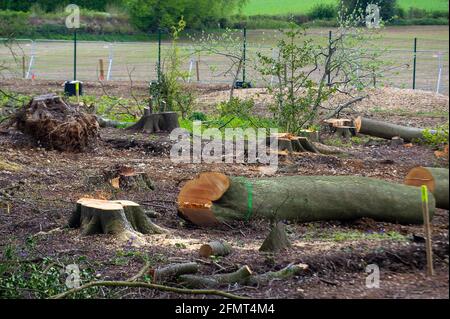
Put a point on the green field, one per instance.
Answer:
(274, 7)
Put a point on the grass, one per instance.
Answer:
(280, 7)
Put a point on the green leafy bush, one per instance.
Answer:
(323, 11)
(236, 107)
(436, 137)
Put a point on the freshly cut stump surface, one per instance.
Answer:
(123, 219)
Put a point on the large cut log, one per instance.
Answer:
(156, 122)
(437, 181)
(214, 198)
(387, 130)
(55, 124)
(123, 219)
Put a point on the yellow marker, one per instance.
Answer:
(424, 194)
(77, 87)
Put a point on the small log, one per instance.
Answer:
(277, 239)
(437, 181)
(283, 274)
(172, 272)
(387, 130)
(240, 276)
(215, 248)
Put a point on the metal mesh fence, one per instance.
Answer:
(120, 61)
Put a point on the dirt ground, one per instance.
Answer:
(43, 186)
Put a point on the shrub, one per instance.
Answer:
(323, 11)
(236, 107)
(438, 138)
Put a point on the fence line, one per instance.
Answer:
(52, 60)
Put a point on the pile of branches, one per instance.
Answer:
(55, 124)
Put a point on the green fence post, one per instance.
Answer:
(244, 56)
(75, 54)
(330, 34)
(415, 64)
(159, 54)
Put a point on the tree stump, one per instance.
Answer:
(292, 144)
(156, 122)
(123, 219)
(57, 125)
(122, 177)
(277, 239)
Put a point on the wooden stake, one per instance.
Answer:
(102, 70)
(24, 72)
(426, 218)
(197, 67)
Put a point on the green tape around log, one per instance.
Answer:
(316, 198)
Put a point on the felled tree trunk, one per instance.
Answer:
(213, 198)
(57, 125)
(156, 122)
(437, 181)
(387, 130)
(123, 219)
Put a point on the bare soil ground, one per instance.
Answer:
(44, 186)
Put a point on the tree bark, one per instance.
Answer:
(193, 281)
(299, 198)
(283, 274)
(277, 239)
(171, 272)
(387, 130)
(437, 181)
(123, 219)
(215, 248)
(157, 122)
